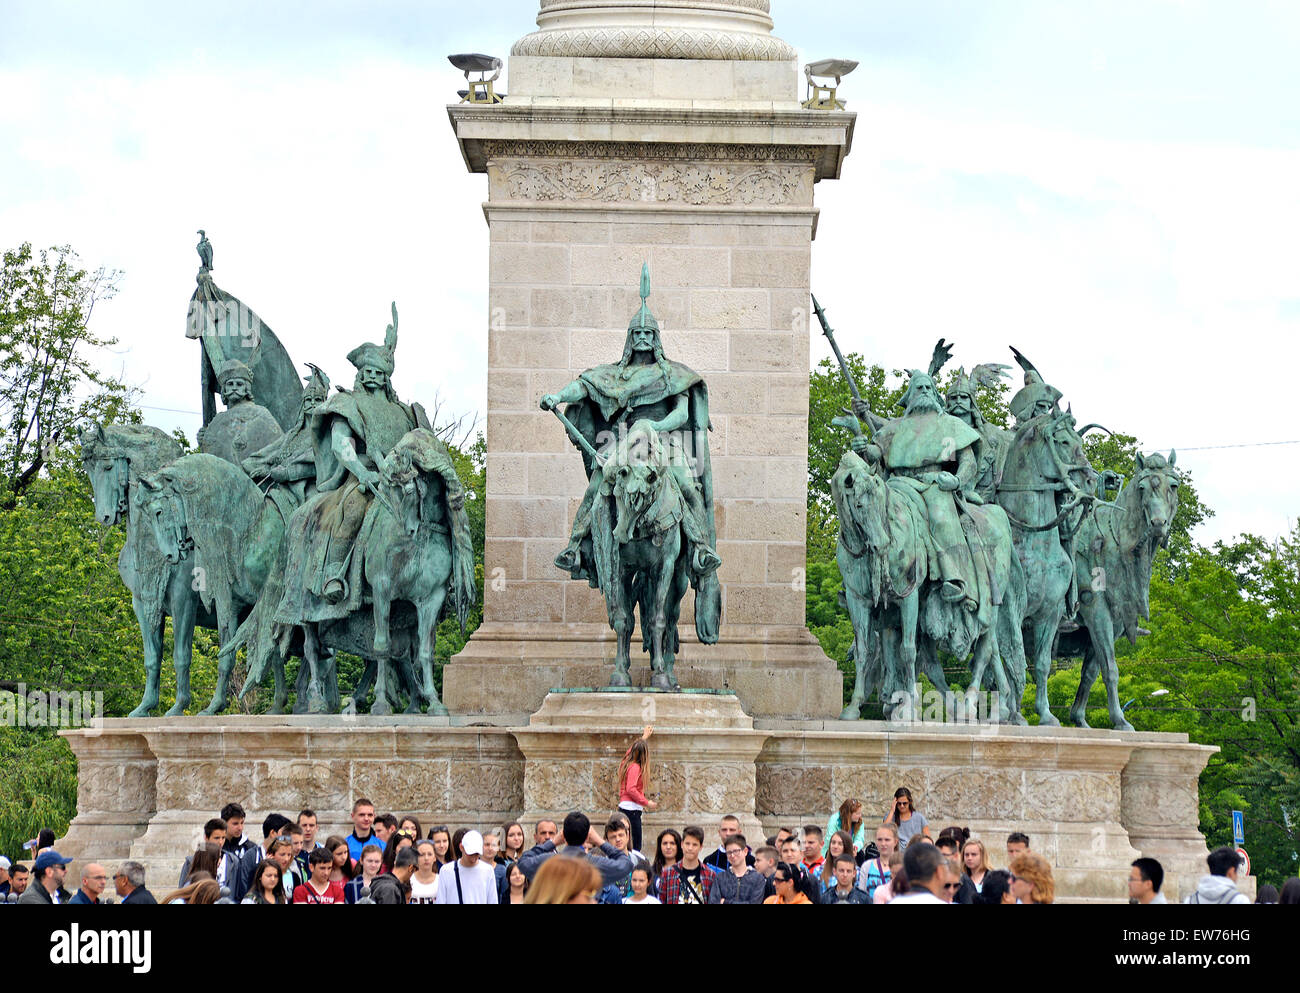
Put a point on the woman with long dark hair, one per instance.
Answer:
(668, 852)
(841, 843)
(441, 838)
(343, 869)
(396, 842)
(411, 823)
(633, 780)
(517, 884)
(911, 823)
(266, 887)
(206, 859)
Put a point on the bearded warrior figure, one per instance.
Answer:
(647, 389)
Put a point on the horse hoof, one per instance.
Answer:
(1048, 721)
(660, 681)
(1018, 719)
(620, 678)
(1078, 720)
(436, 709)
(381, 709)
(211, 710)
(1122, 725)
(851, 714)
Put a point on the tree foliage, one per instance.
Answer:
(49, 377)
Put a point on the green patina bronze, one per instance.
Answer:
(341, 527)
(644, 530)
(993, 545)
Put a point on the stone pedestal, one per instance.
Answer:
(1091, 801)
(672, 136)
(702, 764)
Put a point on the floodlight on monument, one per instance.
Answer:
(480, 89)
(820, 95)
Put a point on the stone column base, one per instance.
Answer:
(777, 671)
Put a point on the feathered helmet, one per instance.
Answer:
(317, 384)
(375, 356)
(1035, 390)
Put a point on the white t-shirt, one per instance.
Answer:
(477, 885)
(424, 892)
(916, 896)
(647, 899)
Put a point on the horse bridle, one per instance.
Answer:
(1078, 496)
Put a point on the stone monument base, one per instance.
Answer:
(777, 671)
(1090, 800)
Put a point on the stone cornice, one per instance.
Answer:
(584, 124)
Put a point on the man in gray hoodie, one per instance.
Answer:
(1220, 886)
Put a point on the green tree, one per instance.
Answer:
(48, 377)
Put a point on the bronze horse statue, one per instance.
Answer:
(192, 501)
(116, 457)
(1045, 488)
(640, 552)
(883, 558)
(1113, 553)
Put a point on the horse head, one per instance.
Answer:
(404, 488)
(634, 477)
(1071, 462)
(1155, 490)
(861, 498)
(109, 472)
(163, 507)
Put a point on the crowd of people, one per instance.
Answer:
(395, 860)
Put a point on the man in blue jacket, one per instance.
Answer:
(614, 864)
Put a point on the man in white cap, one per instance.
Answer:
(5, 866)
(469, 879)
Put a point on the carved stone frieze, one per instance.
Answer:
(694, 151)
(617, 181)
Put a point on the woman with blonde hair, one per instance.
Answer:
(562, 879)
(1031, 879)
(975, 862)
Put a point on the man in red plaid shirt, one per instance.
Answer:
(690, 880)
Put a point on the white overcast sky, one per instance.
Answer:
(1111, 186)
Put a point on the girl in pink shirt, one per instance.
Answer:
(633, 775)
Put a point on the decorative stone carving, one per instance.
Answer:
(655, 43)
(558, 786)
(641, 150)
(1069, 796)
(720, 789)
(300, 783)
(488, 786)
(631, 182)
(127, 787)
(791, 789)
(190, 784)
